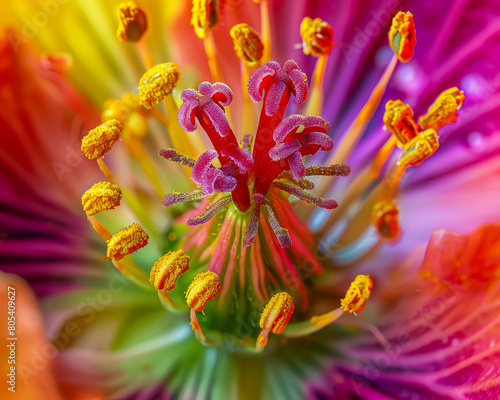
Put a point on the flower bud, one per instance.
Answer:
(157, 83)
(126, 241)
(100, 140)
(205, 286)
(247, 44)
(358, 293)
(102, 196)
(133, 22)
(317, 37)
(168, 268)
(444, 110)
(386, 219)
(398, 119)
(402, 36)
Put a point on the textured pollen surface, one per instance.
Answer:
(168, 268)
(126, 241)
(358, 293)
(102, 196)
(205, 286)
(277, 313)
(157, 83)
(100, 140)
(402, 36)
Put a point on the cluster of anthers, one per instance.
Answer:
(248, 173)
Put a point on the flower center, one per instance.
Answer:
(279, 146)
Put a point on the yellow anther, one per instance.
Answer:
(120, 108)
(398, 119)
(168, 268)
(247, 44)
(419, 148)
(277, 312)
(133, 22)
(126, 241)
(102, 196)
(157, 83)
(358, 293)
(205, 286)
(386, 219)
(100, 140)
(444, 110)
(317, 37)
(402, 36)
(206, 15)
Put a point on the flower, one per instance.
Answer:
(238, 219)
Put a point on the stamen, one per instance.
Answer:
(281, 233)
(102, 196)
(247, 44)
(176, 197)
(302, 183)
(317, 37)
(328, 204)
(121, 108)
(420, 148)
(266, 28)
(317, 40)
(133, 22)
(253, 222)
(206, 15)
(386, 219)
(210, 211)
(332, 170)
(275, 317)
(444, 110)
(205, 286)
(402, 36)
(100, 140)
(398, 119)
(157, 83)
(357, 295)
(175, 156)
(167, 269)
(126, 241)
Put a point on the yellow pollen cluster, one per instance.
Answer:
(100, 140)
(205, 286)
(444, 110)
(126, 241)
(133, 22)
(386, 219)
(424, 145)
(157, 83)
(398, 119)
(102, 196)
(121, 108)
(206, 15)
(402, 36)
(168, 268)
(247, 44)
(277, 312)
(358, 293)
(317, 37)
